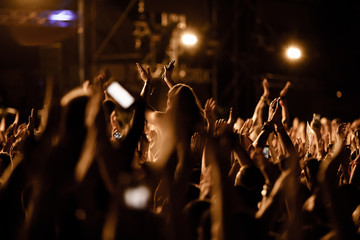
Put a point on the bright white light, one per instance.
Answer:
(64, 15)
(293, 53)
(137, 197)
(189, 39)
(123, 97)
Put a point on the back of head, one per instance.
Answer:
(184, 107)
(194, 212)
(250, 177)
(73, 115)
(5, 161)
(249, 183)
(311, 170)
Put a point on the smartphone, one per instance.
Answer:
(120, 95)
(266, 152)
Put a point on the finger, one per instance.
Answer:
(140, 68)
(273, 104)
(170, 64)
(2, 125)
(148, 72)
(32, 113)
(266, 88)
(265, 83)
(230, 119)
(249, 123)
(16, 118)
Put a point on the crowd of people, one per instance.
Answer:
(92, 170)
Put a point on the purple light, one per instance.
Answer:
(62, 15)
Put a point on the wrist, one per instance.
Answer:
(268, 126)
(265, 98)
(279, 127)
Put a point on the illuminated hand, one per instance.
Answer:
(86, 85)
(145, 76)
(246, 128)
(31, 123)
(168, 70)
(285, 89)
(224, 127)
(210, 112)
(231, 119)
(341, 132)
(167, 74)
(266, 88)
(274, 112)
(210, 108)
(220, 126)
(283, 94)
(195, 142)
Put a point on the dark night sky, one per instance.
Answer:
(328, 31)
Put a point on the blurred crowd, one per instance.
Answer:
(86, 167)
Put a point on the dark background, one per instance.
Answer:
(240, 43)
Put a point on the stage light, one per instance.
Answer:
(339, 94)
(293, 53)
(189, 39)
(62, 15)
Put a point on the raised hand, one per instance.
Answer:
(285, 89)
(231, 119)
(31, 123)
(86, 85)
(168, 70)
(210, 106)
(145, 75)
(246, 128)
(260, 107)
(266, 88)
(341, 132)
(166, 76)
(283, 104)
(224, 127)
(220, 126)
(196, 142)
(274, 112)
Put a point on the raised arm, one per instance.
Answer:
(285, 111)
(257, 119)
(338, 209)
(146, 77)
(168, 73)
(268, 127)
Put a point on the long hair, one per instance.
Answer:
(184, 109)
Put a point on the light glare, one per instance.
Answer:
(63, 15)
(189, 39)
(293, 53)
(339, 94)
(137, 197)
